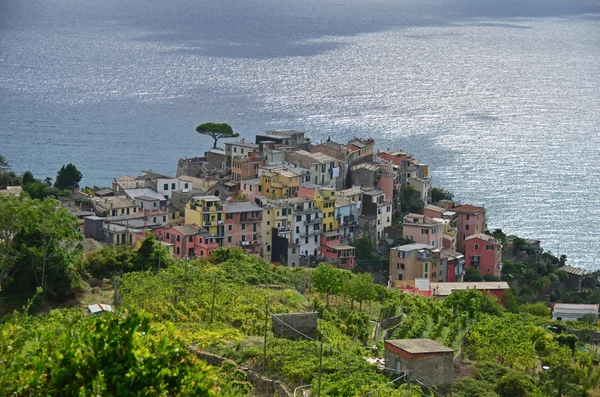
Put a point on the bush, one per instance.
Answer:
(537, 309)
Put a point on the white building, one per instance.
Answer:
(572, 312)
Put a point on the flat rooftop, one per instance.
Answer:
(419, 346)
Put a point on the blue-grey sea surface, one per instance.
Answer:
(501, 98)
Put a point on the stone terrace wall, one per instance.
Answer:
(262, 387)
(303, 322)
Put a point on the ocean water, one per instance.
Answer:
(501, 98)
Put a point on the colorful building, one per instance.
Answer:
(245, 167)
(471, 220)
(346, 216)
(325, 200)
(243, 226)
(411, 261)
(188, 241)
(423, 230)
(484, 253)
(208, 213)
(341, 255)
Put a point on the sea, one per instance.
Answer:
(500, 98)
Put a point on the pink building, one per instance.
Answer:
(423, 230)
(484, 253)
(341, 254)
(397, 157)
(250, 189)
(243, 226)
(471, 220)
(188, 240)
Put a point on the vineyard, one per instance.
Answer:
(223, 305)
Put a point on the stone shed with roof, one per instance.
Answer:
(425, 360)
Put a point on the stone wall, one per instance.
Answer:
(303, 322)
(435, 369)
(262, 387)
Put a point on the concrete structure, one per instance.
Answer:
(411, 261)
(573, 312)
(285, 138)
(424, 359)
(188, 241)
(287, 325)
(364, 174)
(471, 220)
(575, 276)
(484, 253)
(443, 290)
(423, 230)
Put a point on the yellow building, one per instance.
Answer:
(276, 214)
(325, 200)
(116, 206)
(208, 213)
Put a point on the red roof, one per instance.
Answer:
(468, 208)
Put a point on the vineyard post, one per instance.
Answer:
(116, 293)
(212, 311)
(320, 368)
(265, 340)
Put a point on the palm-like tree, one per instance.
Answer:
(4, 166)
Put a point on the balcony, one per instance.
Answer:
(251, 219)
(424, 256)
(207, 223)
(313, 221)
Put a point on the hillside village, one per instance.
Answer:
(297, 203)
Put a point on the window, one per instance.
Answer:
(297, 229)
(306, 240)
(268, 223)
(433, 243)
(168, 235)
(401, 254)
(154, 219)
(191, 238)
(155, 204)
(243, 237)
(142, 204)
(173, 215)
(468, 217)
(424, 231)
(178, 251)
(400, 277)
(426, 266)
(229, 239)
(489, 247)
(164, 218)
(178, 238)
(166, 186)
(293, 250)
(185, 186)
(243, 226)
(401, 266)
(476, 246)
(432, 275)
(298, 218)
(467, 227)
(229, 227)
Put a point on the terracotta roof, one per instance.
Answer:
(468, 208)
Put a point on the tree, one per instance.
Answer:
(27, 178)
(509, 301)
(438, 194)
(327, 279)
(410, 199)
(68, 178)
(216, 131)
(472, 274)
(361, 288)
(41, 247)
(4, 165)
(490, 277)
(364, 248)
(537, 309)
